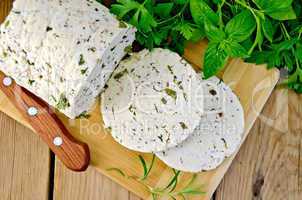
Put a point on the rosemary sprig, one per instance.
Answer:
(169, 189)
(146, 169)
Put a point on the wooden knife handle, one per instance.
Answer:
(74, 154)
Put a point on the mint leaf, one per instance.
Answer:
(163, 9)
(214, 60)
(137, 13)
(268, 29)
(241, 26)
(213, 33)
(235, 50)
(200, 11)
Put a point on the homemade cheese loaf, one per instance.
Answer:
(62, 51)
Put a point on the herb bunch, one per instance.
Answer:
(258, 31)
(167, 191)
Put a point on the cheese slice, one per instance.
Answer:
(147, 104)
(218, 135)
(63, 51)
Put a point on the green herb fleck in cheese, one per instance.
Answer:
(128, 49)
(120, 74)
(62, 102)
(82, 61)
(122, 24)
(30, 82)
(183, 125)
(84, 115)
(83, 71)
(6, 24)
(4, 54)
(163, 100)
(171, 93)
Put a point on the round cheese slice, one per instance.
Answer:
(148, 101)
(218, 135)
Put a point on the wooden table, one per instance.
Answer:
(268, 166)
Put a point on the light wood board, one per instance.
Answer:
(253, 84)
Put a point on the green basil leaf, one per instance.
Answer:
(213, 33)
(273, 4)
(284, 45)
(268, 29)
(198, 34)
(180, 1)
(288, 59)
(277, 9)
(299, 51)
(235, 50)
(248, 43)
(260, 38)
(282, 13)
(217, 1)
(215, 59)
(163, 9)
(200, 11)
(297, 86)
(263, 57)
(241, 26)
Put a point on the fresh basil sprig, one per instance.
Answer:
(259, 31)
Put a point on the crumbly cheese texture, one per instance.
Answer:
(63, 51)
(218, 135)
(148, 105)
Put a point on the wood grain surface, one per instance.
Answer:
(24, 163)
(269, 164)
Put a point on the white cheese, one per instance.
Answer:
(148, 104)
(219, 133)
(63, 51)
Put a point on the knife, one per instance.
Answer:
(74, 154)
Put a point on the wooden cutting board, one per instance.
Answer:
(253, 84)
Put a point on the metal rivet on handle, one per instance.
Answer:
(58, 141)
(32, 111)
(7, 81)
